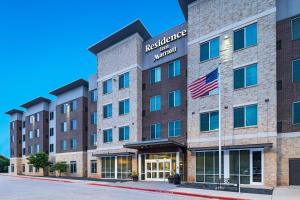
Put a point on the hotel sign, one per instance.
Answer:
(165, 47)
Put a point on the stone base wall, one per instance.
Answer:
(288, 148)
(81, 163)
(90, 157)
(17, 166)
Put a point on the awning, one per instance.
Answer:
(153, 144)
(231, 147)
(106, 154)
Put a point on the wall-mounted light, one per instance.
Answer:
(226, 37)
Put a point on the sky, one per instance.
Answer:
(43, 43)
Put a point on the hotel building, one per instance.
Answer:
(137, 116)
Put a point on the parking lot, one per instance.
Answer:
(15, 188)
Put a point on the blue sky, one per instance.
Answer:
(43, 44)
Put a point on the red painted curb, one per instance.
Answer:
(168, 192)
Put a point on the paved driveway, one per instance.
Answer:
(14, 188)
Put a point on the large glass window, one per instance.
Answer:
(94, 96)
(124, 81)
(245, 76)
(174, 68)
(124, 133)
(93, 166)
(74, 105)
(296, 70)
(107, 86)
(174, 128)
(64, 127)
(108, 167)
(296, 112)
(296, 28)
(257, 166)
(209, 121)
(174, 98)
(155, 75)
(207, 166)
(245, 37)
(64, 145)
(73, 124)
(155, 103)
(239, 165)
(107, 135)
(94, 118)
(73, 144)
(245, 116)
(107, 111)
(210, 49)
(155, 131)
(124, 107)
(124, 164)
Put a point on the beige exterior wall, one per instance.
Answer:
(81, 162)
(17, 162)
(219, 18)
(288, 148)
(90, 157)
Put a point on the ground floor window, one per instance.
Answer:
(30, 168)
(124, 167)
(73, 167)
(12, 168)
(108, 167)
(244, 166)
(94, 166)
(23, 168)
(37, 170)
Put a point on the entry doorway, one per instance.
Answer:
(158, 169)
(294, 171)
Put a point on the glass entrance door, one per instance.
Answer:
(158, 170)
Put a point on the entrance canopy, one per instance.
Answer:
(151, 144)
(104, 154)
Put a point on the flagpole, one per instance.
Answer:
(220, 147)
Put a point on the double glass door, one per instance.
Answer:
(158, 170)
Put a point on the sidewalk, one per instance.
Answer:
(280, 193)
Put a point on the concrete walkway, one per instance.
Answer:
(280, 193)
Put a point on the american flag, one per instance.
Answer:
(204, 84)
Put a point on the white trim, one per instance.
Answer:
(70, 153)
(117, 73)
(233, 26)
(235, 137)
(245, 104)
(245, 64)
(110, 148)
(288, 135)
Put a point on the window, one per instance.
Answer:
(174, 69)
(73, 144)
(74, 105)
(51, 148)
(174, 98)
(124, 81)
(38, 117)
(155, 131)
(296, 70)
(23, 138)
(94, 96)
(124, 167)
(12, 168)
(155, 75)
(64, 145)
(51, 131)
(245, 116)
(174, 128)
(73, 167)
(245, 37)
(245, 76)
(37, 170)
(107, 111)
(30, 149)
(73, 124)
(37, 148)
(210, 50)
(93, 166)
(93, 140)
(31, 119)
(124, 133)
(107, 86)
(207, 166)
(107, 135)
(30, 168)
(296, 112)
(64, 127)
(24, 151)
(30, 134)
(51, 115)
(155, 103)
(124, 107)
(24, 124)
(37, 133)
(23, 168)
(296, 28)
(107, 167)
(209, 121)
(64, 108)
(239, 165)
(94, 118)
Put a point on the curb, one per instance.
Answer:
(167, 192)
(40, 179)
